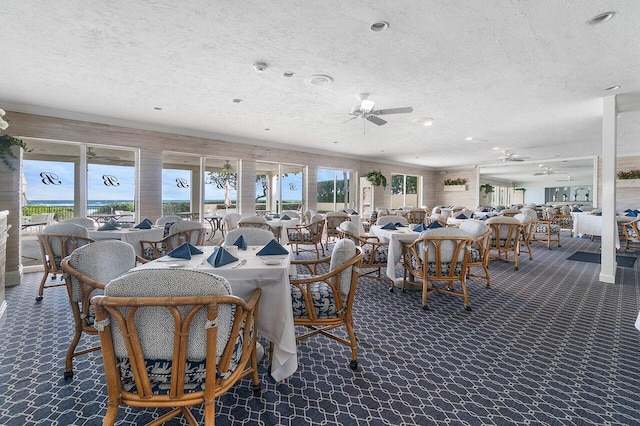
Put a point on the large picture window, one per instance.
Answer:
(404, 191)
(334, 190)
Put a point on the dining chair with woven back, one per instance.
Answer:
(439, 259)
(416, 216)
(505, 239)
(180, 233)
(85, 222)
(375, 252)
(174, 338)
(88, 269)
(479, 249)
(308, 235)
(323, 295)
(526, 226)
(56, 242)
(334, 219)
(259, 222)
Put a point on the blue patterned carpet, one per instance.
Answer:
(546, 345)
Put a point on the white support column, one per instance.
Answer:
(609, 227)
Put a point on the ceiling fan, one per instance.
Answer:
(365, 110)
(548, 171)
(91, 155)
(509, 156)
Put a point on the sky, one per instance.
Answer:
(49, 180)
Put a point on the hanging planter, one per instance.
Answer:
(487, 188)
(459, 184)
(376, 178)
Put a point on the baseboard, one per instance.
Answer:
(606, 278)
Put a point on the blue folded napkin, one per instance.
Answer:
(434, 225)
(390, 226)
(632, 213)
(598, 214)
(484, 210)
(419, 228)
(354, 212)
(576, 210)
(184, 251)
(241, 243)
(461, 216)
(268, 218)
(221, 257)
(145, 224)
(628, 210)
(400, 225)
(276, 216)
(485, 218)
(115, 223)
(272, 248)
(285, 217)
(108, 227)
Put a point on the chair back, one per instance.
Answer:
(345, 252)
(186, 231)
(59, 240)
(253, 236)
(85, 222)
(349, 230)
(308, 215)
(505, 231)
(416, 216)
(252, 219)
(230, 221)
(334, 219)
(91, 267)
(177, 336)
(161, 221)
(443, 247)
(529, 212)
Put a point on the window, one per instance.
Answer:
(404, 191)
(279, 187)
(334, 190)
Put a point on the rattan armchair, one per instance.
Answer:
(479, 249)
(308, 235)
(628, 232)
(376, 252)
(324, 301)
(505, 239)
(174, 338)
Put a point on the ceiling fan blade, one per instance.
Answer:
(403, 110)
(376, 120)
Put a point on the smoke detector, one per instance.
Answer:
(260, 66)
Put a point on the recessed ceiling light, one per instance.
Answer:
(335, 141)
(158, 108)
(428, 122)
(267, 129)
(319, 80)
(468, 138)
(599, 19)
(289, 74)
(616, 87)
(620, 115)
(237, 100)
(495, 148)
(379, 26)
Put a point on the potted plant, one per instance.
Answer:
(7, 142)
(629, 179)
(376, 178)
(487, 188)
(459, 184)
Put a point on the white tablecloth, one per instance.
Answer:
(132, 236)
(395, 239)
(275, 314)
(591, 224)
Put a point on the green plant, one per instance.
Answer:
(458, 181)
(487, 188)
(631, 174)
(376, 178)
(7, 142)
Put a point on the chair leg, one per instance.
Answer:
(68, 372)
(42, 283)
(110, 417)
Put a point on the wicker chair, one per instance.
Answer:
(375, 252)
(628, 231)
(88, 269)
(324, 301)
(308, 235)
(259, 222)
(439, 259)
(334, 219)
(383, 220)
(416, 216)
(526, 226)
(185, 231)
(545, 231)
(479, 250)
(56, 242)
(505, 239)
(174, 338)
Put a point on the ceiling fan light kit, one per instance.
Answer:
(365, 110)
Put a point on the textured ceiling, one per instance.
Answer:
(524, 76)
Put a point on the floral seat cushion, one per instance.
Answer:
(382, 253)
(544, 228)
(474, 255)
(323, 300)
(302, 235)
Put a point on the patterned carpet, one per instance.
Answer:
(546, 345)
